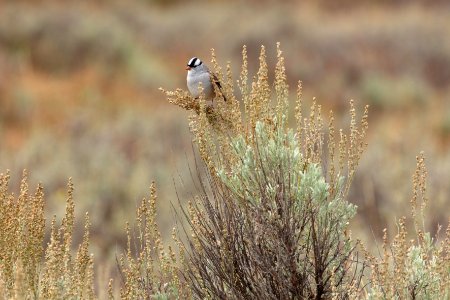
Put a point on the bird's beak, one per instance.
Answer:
(188, 68)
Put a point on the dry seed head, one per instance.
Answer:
(331, 153)
(110, 289)
(263, 82)
(259, 100)
(243, 82)
(233, 106)
(352, 139)
(384, 271)
(66, 229)
(203, 137)
(447, 242)
(419, 194)
(364, 128)
(216, 67)
(298, 111)
(400, 249)
(228, 82)
(313, 135)
(4, 182)
(182, 99)
(319, 134)
(281, 87)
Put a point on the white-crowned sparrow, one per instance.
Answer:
(198, 73)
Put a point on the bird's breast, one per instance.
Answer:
(194, 80)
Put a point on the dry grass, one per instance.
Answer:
(30, 271)
(147, 270)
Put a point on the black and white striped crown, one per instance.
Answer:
(194, 62)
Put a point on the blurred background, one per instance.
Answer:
(79, 96)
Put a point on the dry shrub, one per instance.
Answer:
(271, 221)
(27, 270)
(412, 269)
(147, 270)
(22, 222)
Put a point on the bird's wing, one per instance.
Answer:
(216, 81)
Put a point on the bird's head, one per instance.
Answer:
(194, 64)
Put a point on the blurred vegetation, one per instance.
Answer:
(79, 79)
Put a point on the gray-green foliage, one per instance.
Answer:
(274, 155)
(273, 164)
(277, 159)
(416, 272)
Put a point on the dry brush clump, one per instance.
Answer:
(271, 221)
(28, 270)
(147, 269)
(417, 268)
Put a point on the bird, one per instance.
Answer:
(198, 73)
